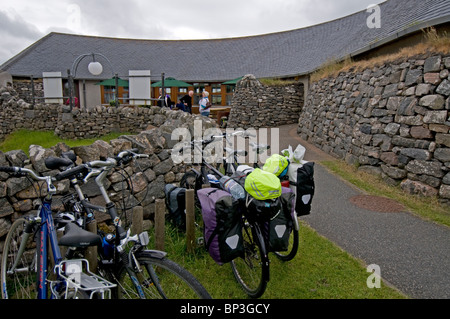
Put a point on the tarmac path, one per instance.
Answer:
(413, 254)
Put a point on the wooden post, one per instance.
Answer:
(91, 252)
(160, 220)
(137, 220)
(190, 221)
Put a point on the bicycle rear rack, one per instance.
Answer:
(78, 277)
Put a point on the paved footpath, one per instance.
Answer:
(413, 254)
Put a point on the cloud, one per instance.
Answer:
(169, 19)
(16, 34)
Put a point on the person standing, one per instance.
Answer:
(187, 101)
(205, 105)
(164, 102)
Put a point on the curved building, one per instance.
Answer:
(289, 54)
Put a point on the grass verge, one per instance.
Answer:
(424, 207)
(321, 270)
(22, 139)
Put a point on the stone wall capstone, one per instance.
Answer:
(391, 119)
(255, 105)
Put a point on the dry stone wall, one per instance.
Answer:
(255, 105)
(391, 119)
(148, 176)
(16, 114)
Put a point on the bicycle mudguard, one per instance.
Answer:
(153, 254)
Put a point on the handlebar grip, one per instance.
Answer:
(70, 172)
(9, 169)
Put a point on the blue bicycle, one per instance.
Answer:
(26, 261)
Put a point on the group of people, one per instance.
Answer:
(185, 103)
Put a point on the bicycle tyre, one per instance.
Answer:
(162, 279)
(21, 284)
(293, 247)
(252, 270)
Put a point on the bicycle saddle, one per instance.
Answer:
(57, 162)
(75, 236)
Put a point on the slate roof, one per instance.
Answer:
(281, 54)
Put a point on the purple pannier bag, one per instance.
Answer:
(222, 225)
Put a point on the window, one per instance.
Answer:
(109, 94)
(216, 88)
(182, 90)
(216, 99)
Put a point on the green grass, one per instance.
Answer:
(321, 270)
(22, 139)
(427, 208)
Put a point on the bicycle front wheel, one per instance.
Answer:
(252, 270)
(159, 279)
(19, 263)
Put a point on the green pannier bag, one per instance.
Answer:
(276, 164)
(263, 185)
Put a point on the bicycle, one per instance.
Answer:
(26, 259)
(252, 269)
(230, 165)
(294, 241)
(135, 271)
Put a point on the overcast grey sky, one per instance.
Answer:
(23, 22)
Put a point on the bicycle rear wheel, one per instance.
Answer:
(252, 270)
(19, 262)
(159, 279)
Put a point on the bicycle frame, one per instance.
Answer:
(47, 234)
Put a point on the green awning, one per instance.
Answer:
(235, 81)
(112, 82)
(171, 82)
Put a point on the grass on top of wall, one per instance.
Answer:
(433, 42)
(22, 139)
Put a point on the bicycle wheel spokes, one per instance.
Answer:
(251, 270)
(160, 279)
(18, 274)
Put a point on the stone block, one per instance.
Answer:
(432, 64)
(435, 117)
(425, 167)
(434, 102)
(443, 139)
(418, 188)
(432, 78)
(420, 132)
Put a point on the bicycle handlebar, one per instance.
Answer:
(20, 170)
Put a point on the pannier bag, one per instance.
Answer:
(222, 225)
(262, 185)
(262, 210)
(176, 205)
(301, 180)
(278, 230)
(276, 164)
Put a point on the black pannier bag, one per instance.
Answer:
(176, 205)
(302, 183)
(262, 210)
(278, 230)
(222, 225)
